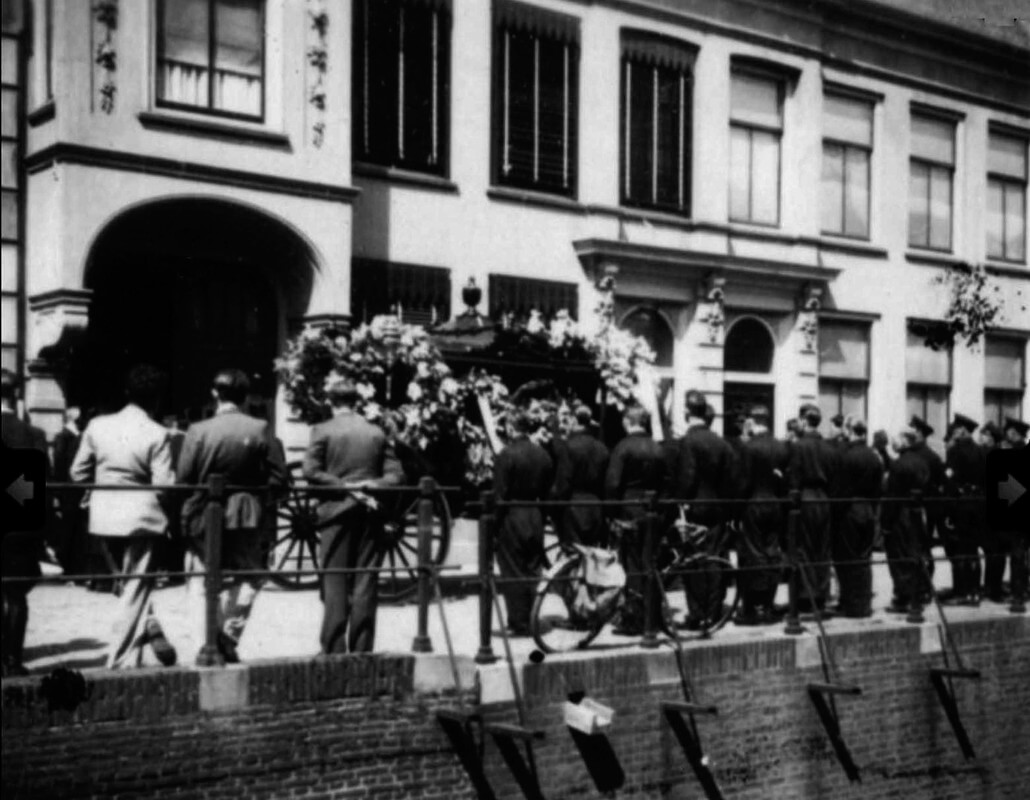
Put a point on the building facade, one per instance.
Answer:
(777, 188)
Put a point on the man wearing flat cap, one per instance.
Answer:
(349, 452)
(966, 467)
(814, 465)
(934, 489)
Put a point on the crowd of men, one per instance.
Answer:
(854, 496)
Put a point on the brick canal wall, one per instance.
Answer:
(365, 726)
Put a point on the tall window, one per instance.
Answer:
(210, 56)
(656, 121)
(756, 126)
(515, 297)
(401, 83)
(1005, 367)
(843, 368)
(536, 55)
(1006, 197)
(928, 373)
(847, 147)
(931, 177)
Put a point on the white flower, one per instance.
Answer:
(366, 390)
(535, 324)
(414, 392)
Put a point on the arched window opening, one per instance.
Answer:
(749, 347)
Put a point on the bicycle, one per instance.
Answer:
(569, 611)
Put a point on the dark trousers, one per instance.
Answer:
(852, 548)
(16, 620)
(961, 547)
(995, 556)
(350, 599)
(705, 587)
(1017, 545)
(582, 524)
(903, 544)
(759, 556)
(520, 558)
(814, 550)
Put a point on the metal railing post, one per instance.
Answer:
(487, 523)
(426, 487)
(793, 622)
(915, 608)
(650, 639)
(214, 518)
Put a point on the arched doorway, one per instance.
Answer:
(191, 286)
(748, 356)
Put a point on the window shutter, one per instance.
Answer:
(519, 296)
(658, 51)
(523, 18)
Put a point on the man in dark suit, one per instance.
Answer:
(934, 489)
(637, 466)
(861, 477)
(581, 462)
(240, 448)
(995, 555)
(70, 546)
(351, 453)
(814, 464)
(964, 529)
(522, 472)
(764, 465)
(21, 550)
(904, 523)
(706, 469)
(1016, 542)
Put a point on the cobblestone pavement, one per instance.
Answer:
(70, 626)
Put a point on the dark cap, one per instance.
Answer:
(695, 402)
(919, 424)
(837, 420)
(992, 430)
(962, 421)
(1013, 424)
(858, 427)
(811, 414)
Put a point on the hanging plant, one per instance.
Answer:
(106, 14)
(318, 60)
(974, 304)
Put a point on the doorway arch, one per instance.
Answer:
(749, 354)
(190, 285)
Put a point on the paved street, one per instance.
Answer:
(69, 625)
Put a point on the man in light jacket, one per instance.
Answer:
(129, 448)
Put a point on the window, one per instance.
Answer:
(1006, 197)
(1005, 364)
(749, 347)
(756, 126)
(210, 56)
(847, 147)
(843, 368)
(931, 174)
(401, 83)
(419, 295)
(928, 391)
(516, 297)
(656, 121)
(536, 55)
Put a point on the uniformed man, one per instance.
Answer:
(1015, 542)
(990, 436)
(759, 553)
(904, 523)
(637, 467)
(581, 463)
(523, 472)
(966, 467)
(935, 511)
(1015, 432)
(705, 470)
(861, 478)
(995, 555)
(814, 463)
(837, 436)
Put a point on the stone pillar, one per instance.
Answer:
(56, 331)
(802, 346)
(703, 345)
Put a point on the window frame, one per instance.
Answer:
(846, 147)
(361, 135)
(496, 281)
(686, 122)
(839, 383)
(501, 29)
(210, 109)
(1006, 181)
(781, 96)
(1006, 391)
(931, 166)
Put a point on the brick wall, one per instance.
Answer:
(365, 726)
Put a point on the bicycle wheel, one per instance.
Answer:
(554, 625)
(296, 543)
(706, 582)
(400, 541)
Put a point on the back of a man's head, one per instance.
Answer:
(636, 416)
(231, 386)
(144, 386)
(521, 424)
(342, 393)
(695, 403)
(584, 416)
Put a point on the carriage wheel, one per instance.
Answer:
(400, 579)
(296, 543)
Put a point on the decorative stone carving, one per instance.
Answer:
(105, 12)
(809, 305)
(712, 312)
(318, 61)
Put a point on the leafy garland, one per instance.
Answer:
(973, 306)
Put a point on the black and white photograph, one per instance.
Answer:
(500, 399)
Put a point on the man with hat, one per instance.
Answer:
(1015, 433)
(1014, 542)
(904, 522)
(861, 477)
(838, 436)
(814, 465)
(995, 556)
(934, 489)
(990, 436)
(966, 467)
(581, 462)
(704, 470)
(764, 466)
